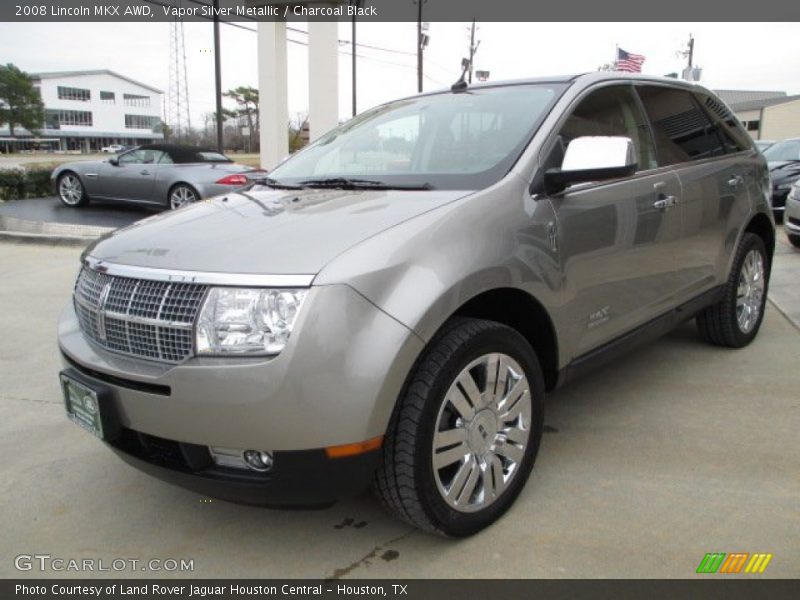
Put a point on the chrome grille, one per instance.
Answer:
(138, 317)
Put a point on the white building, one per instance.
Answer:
(86, 110)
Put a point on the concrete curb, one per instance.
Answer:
(23, 231)
(16, 237)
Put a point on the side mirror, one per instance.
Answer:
(113, 161)
(592, 158)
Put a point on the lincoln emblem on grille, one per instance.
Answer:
(101, 313)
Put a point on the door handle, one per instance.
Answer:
(145, 172)
(665, 202)
(735, 181)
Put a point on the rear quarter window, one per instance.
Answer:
(730, 130)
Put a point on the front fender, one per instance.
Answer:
(422, 271)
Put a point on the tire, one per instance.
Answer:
(181, 194)
(71, 191)
(721, 324)
(794, 240)
(408, 482)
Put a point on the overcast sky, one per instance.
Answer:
(750, 56)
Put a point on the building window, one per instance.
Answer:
(753, 125)
(54, 119)
(108, 98)
(140, 122)
(71, 93)
(134, 100)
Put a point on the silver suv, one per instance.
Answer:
(391, 305)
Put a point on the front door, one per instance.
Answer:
(133, 178)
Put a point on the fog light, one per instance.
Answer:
(258, 460)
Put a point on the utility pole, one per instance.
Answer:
(419, 45)
(472, 49)
(218, 77)
(691, 50)
(353, 57)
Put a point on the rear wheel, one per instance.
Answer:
(466, 430)
(735, 320)
(182, 194)
(71, 191)
(794, 240)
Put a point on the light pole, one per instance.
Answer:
(218, 77)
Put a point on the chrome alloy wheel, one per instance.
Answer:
(70, 189)
(750, 293)
(181, 196)
(482, 432)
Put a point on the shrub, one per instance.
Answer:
(37, 183)
(16, 184)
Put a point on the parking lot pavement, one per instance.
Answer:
(785, 282)
(674, 451)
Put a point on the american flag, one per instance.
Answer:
(632, 63)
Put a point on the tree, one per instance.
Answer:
(246, 99)
(296, 130)
(20, 102)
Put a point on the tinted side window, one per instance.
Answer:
(730, 130)
(610, 111)
(683, 132)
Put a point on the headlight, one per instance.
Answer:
(247, 320)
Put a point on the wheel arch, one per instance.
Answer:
(175, 184)
(762, 226)
(523, 313)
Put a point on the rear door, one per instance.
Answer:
(617, 245)
(707, 154)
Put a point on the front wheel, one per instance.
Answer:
(466, 431)
(71, 191)
(182, 195)
(735, 320)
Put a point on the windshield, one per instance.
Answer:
(786, 150)
(465, 140)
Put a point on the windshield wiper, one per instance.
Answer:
(365, 184)
(273, 183)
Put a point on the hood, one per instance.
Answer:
(268, 232)
(782, 171)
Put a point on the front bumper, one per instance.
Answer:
(335, 383)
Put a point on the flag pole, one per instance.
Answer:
(616, 56)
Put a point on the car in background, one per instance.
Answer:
(791, 220)
(762, 145)
(783, 159)
(113, 149)
(164, 175)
